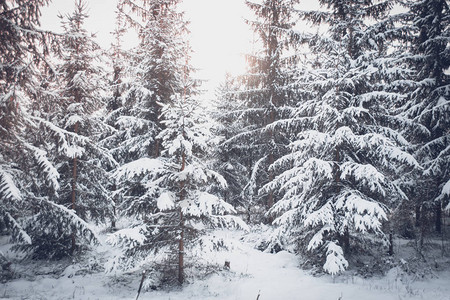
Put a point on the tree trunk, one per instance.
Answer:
(113, 219)
(346, 241)
(74, 182)
(181, 251)
(423, 224)
(391, 244)
(181, 241)
(418, 215)
(270, 200)
(270, 197)
(114, 216)
(157, 148)
(438, 215)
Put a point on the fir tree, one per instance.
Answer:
(149, 74)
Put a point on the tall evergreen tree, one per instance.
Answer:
(74, 127)
(149, 75)
(339, 185)
(428, 105)
(177, 209)
(264, 94)
(81, 97)
(228, 155)
(23, 53)
(162, 141)
(110, 139)
(155, 67)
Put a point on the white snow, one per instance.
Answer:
(73, 151)
(317, 239)
(446, 192)
(50, 170)
(336, 262)
(138, 167)
(133, 234)
(13, 223)
(74, 119)
(252, 273)
(7, 186)
(165, 201)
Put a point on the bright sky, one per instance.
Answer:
(219, 35)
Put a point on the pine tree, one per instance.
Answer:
(154, 65)
(114, 102)
(151, 74)
(81, 97)
(339, 180)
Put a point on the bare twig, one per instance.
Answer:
(140, 285)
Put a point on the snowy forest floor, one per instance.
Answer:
(252, 273)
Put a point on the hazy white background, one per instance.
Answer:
(219, 36)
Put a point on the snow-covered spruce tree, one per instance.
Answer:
(23, 166)
(111, 139)
(153, 71)
(73, 126)
(228, 156)
(82, 97)
(265, 93)
(157, 187)
(117, 61)
(428, 105)
(149, 74)
(134, 114)
(177, 210)
(186, 140)
(340, 186)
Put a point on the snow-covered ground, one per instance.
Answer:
(253, 273)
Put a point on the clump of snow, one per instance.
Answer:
(165, 201)
(446, 192)
(336, 262)
(7, 186)
(138, 167)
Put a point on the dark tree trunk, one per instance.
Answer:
(438, 215)
(181, 251)
(74, 183)
(418, 215)
(391, 244)
(181, 241)
(157, 148)
(270, 196)
(346, 241)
